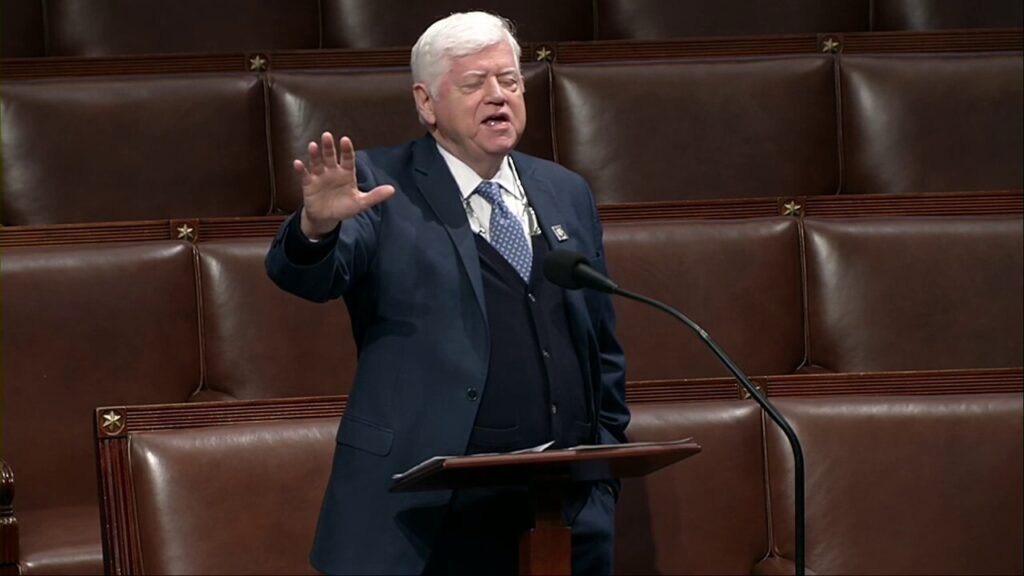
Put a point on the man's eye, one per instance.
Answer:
(509, 82)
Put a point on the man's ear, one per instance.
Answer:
(424, 104)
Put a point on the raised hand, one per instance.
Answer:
(329, 190)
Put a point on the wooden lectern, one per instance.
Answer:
(547, 547)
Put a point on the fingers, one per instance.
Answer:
(300, 169)
(325, 156)
(330, 156)
(316, 164)
(348, 154)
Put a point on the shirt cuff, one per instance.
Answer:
(303, 251)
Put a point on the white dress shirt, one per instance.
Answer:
(478, 210)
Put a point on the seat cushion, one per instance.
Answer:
(62, 540)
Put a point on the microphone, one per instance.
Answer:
(573, 271)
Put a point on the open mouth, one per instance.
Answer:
(496, 119)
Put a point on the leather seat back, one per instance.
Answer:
(740, 280)
(903, 484)
(698, 129)
(915, 293)
(134, 148)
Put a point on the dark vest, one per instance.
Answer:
(535, 389)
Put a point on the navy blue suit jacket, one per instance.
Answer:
(409, 271)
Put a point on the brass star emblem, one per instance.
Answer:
(830, 45)
(791, 208)
(186, 232)
(257, 63)
(745, 394)
(112, 423)
(543, 54)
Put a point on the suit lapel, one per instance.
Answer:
(439, 189)
(544, 202)
(548, 207)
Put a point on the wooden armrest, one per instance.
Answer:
(8, 522)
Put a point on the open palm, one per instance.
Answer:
(329, 190)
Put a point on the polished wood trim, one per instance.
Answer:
(341, 58)
(982, 203)
(979, 203)
(59, 67)
(965, 40)
(100, 232)
(594, 51)
(198, 414)
(9, 536)
(122, 553)
(689, 209)
(228, 228)
(204, 229)
(911, 383)
(608, 51)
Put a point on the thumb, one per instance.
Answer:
(377, 195)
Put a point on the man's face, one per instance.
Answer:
(479, 113)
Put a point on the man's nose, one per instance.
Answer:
(493, 90)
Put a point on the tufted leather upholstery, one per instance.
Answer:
(705, 129)
(903, 485)
(198, 517)
(915, 294)
(932, 15)
(23, 32)
(932, 123)
(739, 280)
(261, 342)
(112, 27)
(706, 515)
(90, 150)
(895, 485)
(76, 334)
(105, 27)
(373, 23)
(729, 128)
(655, 19)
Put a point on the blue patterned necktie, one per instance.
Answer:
(506, 233)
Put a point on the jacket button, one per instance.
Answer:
(472, 394)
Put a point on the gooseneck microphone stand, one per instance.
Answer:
(759, 397)
(572, 270)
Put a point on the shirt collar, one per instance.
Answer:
(467, 179)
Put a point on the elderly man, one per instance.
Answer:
(436, 247)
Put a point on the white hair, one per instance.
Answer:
(458, 35)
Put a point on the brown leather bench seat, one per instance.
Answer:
(81, 325)
(881, 122)
(173, 322)
(914, 294)
(895, 485)
(137, 323)
(904, 484)
(134, 148)
(239, 499)
(81, 28)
